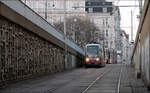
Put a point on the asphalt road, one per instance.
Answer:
(102, 80)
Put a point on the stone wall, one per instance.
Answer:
(24, 54)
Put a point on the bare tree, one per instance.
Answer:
(81, 29)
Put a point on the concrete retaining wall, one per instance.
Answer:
(141, 52)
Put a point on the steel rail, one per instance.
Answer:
(119, 81)
(129, 77)
(91, 84)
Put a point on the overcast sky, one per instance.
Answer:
(126, 15)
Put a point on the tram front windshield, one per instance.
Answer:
(92, 51)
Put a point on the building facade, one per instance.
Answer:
(125, 47)
(100, 12)
(53, 10)
(117, 34)
(107, 18)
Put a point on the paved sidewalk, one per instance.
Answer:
(129, 83)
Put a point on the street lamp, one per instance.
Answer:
(66, 63)
(74, 30)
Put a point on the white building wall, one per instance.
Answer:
(55, 8)
(104, 21)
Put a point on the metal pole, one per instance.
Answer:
(73, 32)
(46, 9)
(65, 33)
(131, 26)
(74, 28)
(140, 7)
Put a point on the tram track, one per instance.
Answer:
(93, 82)
(100, 77)
(119, 80)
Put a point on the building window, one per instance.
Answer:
(48, 5)
(76, 5)
(103, 3)
(89, 3)
(41, 4)
(90, 10)
(96, 35)
(107, 33)
(109, 9)
(97, 10)
(49, 19)
(111, 43)
(92, 20)
(106, 21)
(105, 10)
(103, 22)
(106, 44)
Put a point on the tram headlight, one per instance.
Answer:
(87, 59)
(97, 59)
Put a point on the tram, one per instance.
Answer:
(94, 56)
